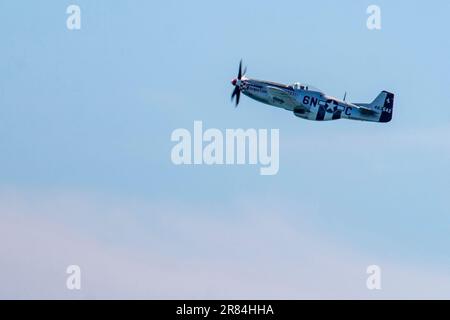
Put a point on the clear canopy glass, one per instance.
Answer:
(304, 86)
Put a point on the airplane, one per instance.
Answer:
(310, 103)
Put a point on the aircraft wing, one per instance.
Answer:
(283, 98)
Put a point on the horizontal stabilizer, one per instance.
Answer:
(365, 108)
(382, 105)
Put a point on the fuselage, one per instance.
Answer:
(305, 102)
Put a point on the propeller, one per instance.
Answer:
(237, 83)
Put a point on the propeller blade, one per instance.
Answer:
(240, 71)
(237, 98)
(245, 71)
(235, 91)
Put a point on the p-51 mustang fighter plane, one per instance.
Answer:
(310, 103)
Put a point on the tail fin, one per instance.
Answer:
(383, 104)
(386, 100)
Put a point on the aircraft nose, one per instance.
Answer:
(233, 82)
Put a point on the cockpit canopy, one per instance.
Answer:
(298, 86)
(303, 86)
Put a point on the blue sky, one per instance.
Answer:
(86, 118)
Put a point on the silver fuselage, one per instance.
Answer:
(305, 103)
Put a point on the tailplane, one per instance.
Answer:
(383, 104)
